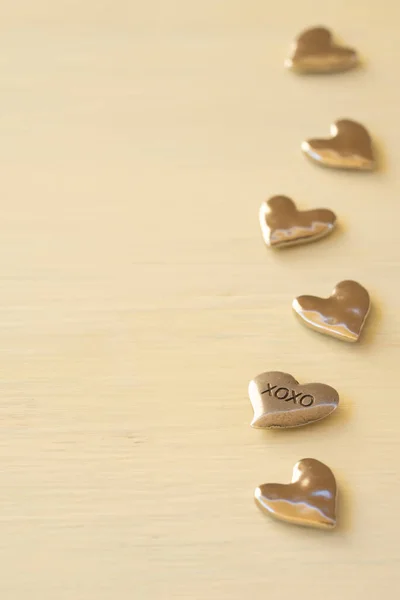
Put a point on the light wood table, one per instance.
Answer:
(137, 300)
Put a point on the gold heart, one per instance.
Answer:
(315, 52)
(283, 225)
(279, 400)
(342, 315)
(350, 147)
(310, 499)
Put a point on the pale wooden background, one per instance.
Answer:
(137, 141)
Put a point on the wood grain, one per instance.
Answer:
(137, 300)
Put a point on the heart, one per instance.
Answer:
(350, 147)
(342, 315)
(279, 400)
(315, 52)
(310, 499)
(283, 225)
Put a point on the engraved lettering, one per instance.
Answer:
(294, 397)
(308, 403)
(285, 391)
(269, 389)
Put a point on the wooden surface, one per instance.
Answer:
(137, 299)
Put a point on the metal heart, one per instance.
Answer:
(315, 52)
(342, 315)
(350, 147)
(279, 400)
(283, 225)
(310, 499)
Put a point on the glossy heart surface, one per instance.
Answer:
(350, 147)
(342, 315)
(314, 51)
(282, 224)
(310, 499)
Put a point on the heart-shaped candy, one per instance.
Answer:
(283, 225)
(315, 52)
(279, 400)
(309, 500)
(342, 315)
(350, 147)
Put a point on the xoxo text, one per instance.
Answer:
(283, 393)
